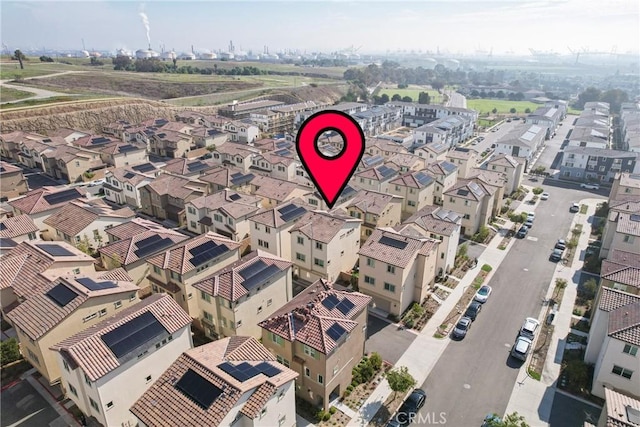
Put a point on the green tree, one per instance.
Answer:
(400, 380)
(424, 98)
(122, 62)
(407, 99)
(19, 56)
(375, 360)
(9, 351)
(590, 94)
(84, 245)
(588, 289)
(615, 98)
(396, 97)
(462, 250)
(512, 110)
(538, 190)
(384, 98)
(494, 111)
(511, 420)
(437, 84)
(527, 110)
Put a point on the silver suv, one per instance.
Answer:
(529, 328)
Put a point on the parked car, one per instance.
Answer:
(590, 186)
(522, 232)
(531, 216)
(96, 183)
(393, 422)
(574, 208)
(529, 223)
(529, 327)
(473, 310)
(561, 244)
(521, 348)
(483, 293)
(491, 419)
(556, 255)
(410, 407)
(544, 196)
(461, 328)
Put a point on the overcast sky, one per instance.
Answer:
(453, 26)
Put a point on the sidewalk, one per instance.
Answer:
(534, 399)
(423, 354)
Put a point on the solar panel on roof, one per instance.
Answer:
(261, 277)
(196, 166)
(462, 192)
(126, 148)
(330, 302)
(61, 295)
(6, 242)
(245, 371)
(148, 241)
(422, 178)
(386, 171)
(54, 250)
(157, 246)
(129, 175)
(295, 213)
(286, 209)
(133, 334)
(268, 369)
(394, 243)
(99, 140)
(235, 197)
(242, 179)
(252, 269)
(62, 196)
(345, 306)
(198, 389)
(91, 284)
(206, 252)
(236, 175)
(336, 331)
(145, 167)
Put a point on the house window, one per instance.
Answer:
(110, 405)
(276, 338)
(318, 262)
(370, 262)
(309, 351)
(117, 304)
(33, 356)
(318, 245)
(320, 379)
(73, 390)
(260, 309)
(32, 236)
(300, 240)
(369, 280)
(300, 257)
(156, 269)
(191, 210)
(313, 202)
(269, 302)
(256, 226)
(625, 373)
(217, 217)
(630, 349)
(66, 365)
(96, 234)
(628, 238)
(267, 229)
(132, 297)
(208, 316)
(87, 380)
(263, 244)
(89, 317)
(76, 271)
(282, 360)
(192, 224)
(148, 378)
(230, 221)
(391, 269)
(411, 203)
(307, 372)
(176, 276)
(102, 312)
(94, 405)
(205, 296)
(389, 287)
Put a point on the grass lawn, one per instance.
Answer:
(503, 106)
(33, 68)
(46, 101)
(413, 92)
(10, 94)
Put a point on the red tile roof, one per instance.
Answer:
(322, 226)
(88, 351)
(77, 216)
(17, 226)
(133, 228)
(273, 218)
(624, 323)
(398, 256)
(164, 405)
(125, 250)
(34, 201)
(612, 299)
(618, 406)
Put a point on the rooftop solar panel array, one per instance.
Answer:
(385, 171)
(196, 166)
(127, 147)
(62, 196)
(54, 250)
(246, 371)
(239, 179)
(198, 389)
(145, 167)
(129, 175)
(423, 178)
(133, 334)
(206, 252)
(336, 331)
(394, 243)
(257, 274)
(92, 285)
(291, 212)
(99, 140)
(61, 294)
(345, 306)
(330, 302)
(151, 245)
(235, 197)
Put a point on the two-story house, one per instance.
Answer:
(512, 167)
(227, 177)
(122, 185)
(165, 197)
(61, 308)
(123, 154)
(416, 190)
(274, 191)
(620, 409)
(270, 228)
(176, 269)
(377, 178)
(622, 229)
(12, 181)
(465, 159)
(433, 152)
(446, 175)
(375, 210)
(275, 166)
(406, 163)
(168, 143)
(19, 228)
(235, 154)
(397, 269)
(40, 204)
(320, 334)
(473, 201)
(234, 381)
(235, 299)
(324, 244)
(107, 367)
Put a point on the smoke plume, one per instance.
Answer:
(145, 22)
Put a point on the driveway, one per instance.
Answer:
(385, 339)
(22, 405)
(569, 412)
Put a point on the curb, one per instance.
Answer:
(11, 384)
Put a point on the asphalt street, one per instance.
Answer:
(23, 406)
(385, 339)
(475, 376)
(491, 137)
(569, 412)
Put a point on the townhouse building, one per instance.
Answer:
(511, 167)
(415, 115)
(464, 158)
(122, 185)
(621, 271)
(107, 367)
(630, 128)
(235, 299)
(596, 164)
(41, 203)
(396, 269)
(546, 117)
(227, 177)
(235, 154)
(622, 229)
(473, 201)
(242, 110)
(445, 175)
(416, 190)
(12, 181)
(279, 167)
(377, 178)
(378, 119)
(274, 191)
(432, 152)
(449, 131)
(625, 185)
(324, 244)
(523, 141)
(320, 334)
(71, 304)
(375, 210)
(176, 269)
(165, 197)
(19, 229)
(232, 381)
(279, 119)
(243, 131)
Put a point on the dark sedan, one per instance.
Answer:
(407, 412)
(461, 329)
(473, 310)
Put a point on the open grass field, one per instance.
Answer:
(11, 94)
(413, 92)
(503, 106)
(41, 102)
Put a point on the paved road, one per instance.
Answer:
(456, 99)
(385, 339)
(550, 156)
(492, 137)
(22, 405)
(38, 93)
(475, 376)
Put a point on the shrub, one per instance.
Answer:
(481, 235)
(9, 351)
(487, 268)
(320, 415)
(326, 416)
(332, 410)
(349, 388)
(538, 190)
(376, 360)
(417, 309)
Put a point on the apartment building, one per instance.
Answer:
(473, 201)
(323, 244)
(596, 164)
(449, 131)
(59, 309)
(107, 367)
(546, 117)
(233, 381)
(226, 213)
(122, 185)
(415, 115)
(177, 269)
(465, 159)
(320, 334)
(235, 299)
(12, 181)
(523, 141)
(270, 228)
(416, 190)
(396, 269)
(445, 175)
(375, 210)
(279, 119)
(511, 167)
(19, 228)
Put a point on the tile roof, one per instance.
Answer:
(629, 180)
(228, 283)
(305, 319)
(76, 216)
(179, 258)
(322, 226)
(406, 160)
(467, 189)
(273, 218)
(612, 299)
(7, 168)
(224, 176)
(624, 323)
(164, 405)
(127, 175)
(622, 267)
(418, 179)
(618, 406)
(230, 202)
(88, 351)
(186, 167)
(17, 226)
(400, 255)
(34, 202)
(435, 219)
(441, 168)
(373, 202)
(125, 250)
(38, 314)
(377, 174)
(506, 160)
(172, 185)
(273, 189)
(628, 224)
(134, 227)
(117, 274)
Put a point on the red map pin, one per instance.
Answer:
(330, 174)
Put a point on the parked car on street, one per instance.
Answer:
(529, 327)
(473, 310)
(521, 348)
(461, 328)
(529, 223)
(574, 208)
(590, 186)
(556, 255)
(410, 407)
(531, 216)
(544, 196)
(483, 293)
(522, 232)
(561, 244)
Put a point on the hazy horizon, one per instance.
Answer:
(453, 27)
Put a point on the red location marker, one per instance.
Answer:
(330, 174)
